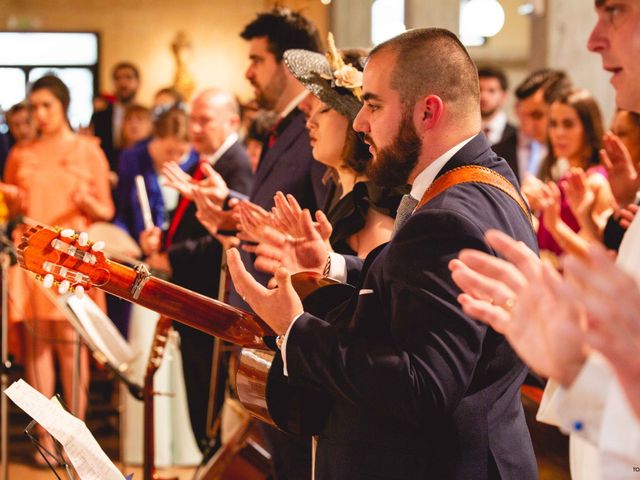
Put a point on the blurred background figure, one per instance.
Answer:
(493, 96)
(526, 150)
(107, 123)
(137, 125)
(167, 97)
(64, 177)
(575, 141)
(21, 130)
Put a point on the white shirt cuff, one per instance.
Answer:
(283, 348)
(338, 269)
(579, 409)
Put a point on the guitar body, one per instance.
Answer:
(261, 385)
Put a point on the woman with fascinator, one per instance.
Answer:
(358, 214)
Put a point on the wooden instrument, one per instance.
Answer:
(69, 260)
(156, 354)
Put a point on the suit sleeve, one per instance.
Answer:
(418, 353)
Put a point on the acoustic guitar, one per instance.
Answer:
(68, 260)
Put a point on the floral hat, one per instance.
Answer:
(335, 83)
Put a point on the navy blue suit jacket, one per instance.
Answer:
(287, 166)
(420, 390)
(102, 122)
(137, 161)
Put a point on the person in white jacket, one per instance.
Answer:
(583, 331)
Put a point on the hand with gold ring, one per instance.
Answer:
(524, 300)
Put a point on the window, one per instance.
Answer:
(27, 56)
(387, 20)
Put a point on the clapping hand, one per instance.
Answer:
(212, 184)
(523, 299)
(623, 177)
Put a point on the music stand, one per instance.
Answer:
(57, 457)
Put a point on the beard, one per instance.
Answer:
(392, 165)
(267, 96)
(488, 113)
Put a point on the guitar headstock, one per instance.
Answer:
(63, 258)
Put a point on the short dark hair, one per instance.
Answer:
(494, 72)
(127, 65)
(553, 82)
(284, 29)
(433, 61)
(57, 88)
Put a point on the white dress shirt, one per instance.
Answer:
(494, 128)
(604, 432)
(422, 181)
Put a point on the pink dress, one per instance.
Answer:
(545, 240)
(51, 175)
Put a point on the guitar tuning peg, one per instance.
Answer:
(79, 291)
(83, 239)
(64, 287)
(98, 246)
(47, 281)
(67, 233)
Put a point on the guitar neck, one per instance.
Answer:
(203, 313)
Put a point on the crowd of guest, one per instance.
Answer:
(287, 179)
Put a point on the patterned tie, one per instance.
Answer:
(405, 209)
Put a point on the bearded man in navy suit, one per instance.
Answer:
(419, 390)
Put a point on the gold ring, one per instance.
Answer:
(509, 303)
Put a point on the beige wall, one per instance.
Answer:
(141, 31)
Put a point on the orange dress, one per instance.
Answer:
(51, 175)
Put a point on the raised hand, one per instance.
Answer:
(211, 185)
(625, 215)
(550, 206)
(612, 301)
(212, 216)
(287, 216)
(252, 221)
(150, 240)
(623, 177)
(307, 252)
(177, 178)
(523, 299)
(532, 189)
(278, 307)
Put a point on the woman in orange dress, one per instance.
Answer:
(64, 181)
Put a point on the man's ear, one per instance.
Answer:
(431, 109)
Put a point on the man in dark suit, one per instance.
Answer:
(493, 95)
(286, 165)
(107, 123)
(419, 390)
(525, 149)
(190, 253)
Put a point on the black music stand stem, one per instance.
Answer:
(6, 252)
(53, 459)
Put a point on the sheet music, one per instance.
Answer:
(84, 452)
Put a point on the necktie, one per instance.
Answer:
(405, 209)
(273, 136)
